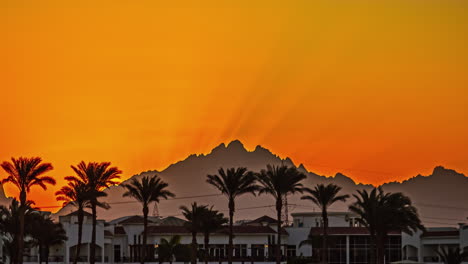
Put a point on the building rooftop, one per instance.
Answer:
(316, 231)
(237, 230)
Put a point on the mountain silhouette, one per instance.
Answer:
(440, 197)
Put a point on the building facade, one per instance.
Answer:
(120, 240)
(423, 246)
(348, 242)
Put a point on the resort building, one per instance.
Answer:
(423, 246)
(348, 242)
(120, 240)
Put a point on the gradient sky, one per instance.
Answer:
(377, 90)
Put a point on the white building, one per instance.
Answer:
(348, 242)
(120, 240)
(423, 246)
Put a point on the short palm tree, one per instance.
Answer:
(451, 255)
(45, 234)
(212, 221)
(25, 173)
(382, 212)
(324, 196)
(9, 226)
(167, 248)
(146, 191)
(194, 216)
(96, 176)
(233, 183)
(280, 181)
(78, 195)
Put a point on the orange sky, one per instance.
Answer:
(377, 90)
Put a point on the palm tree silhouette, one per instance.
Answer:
(25, 173)
(452, 255)
(211, 222)
(45, 234)
(9, 226)
(279, 181)
(324, 196)
(382, 212)
(146, 191)
(194, 216)
(78, 195)
(96, 176)
(167, 248)
(233, 183)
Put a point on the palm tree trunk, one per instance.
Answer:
(380, 248)
(46, 254)
(92, 251)
(145, 229)
(80, 234)
(193, 258)
(40, 253)
(207, 242)
(325, 236)
(372, 247)
(20, 240)
(279, 208)
(231, 233)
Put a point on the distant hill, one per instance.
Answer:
(438, 196)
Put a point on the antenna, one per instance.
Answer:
(285, 213)
(155, 210)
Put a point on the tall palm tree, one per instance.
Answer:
(211, 222)
(45, 234)
(280, 181)
(25, 173)
(382, 212)
(451, 255)
(194, 216)
(233, 183)
(146, 191)
(324, 196)
(77, 194)
(96, 176)
(167, 248)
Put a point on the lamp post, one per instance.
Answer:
(156, 253)
(266, 252)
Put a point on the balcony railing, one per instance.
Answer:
(431, 259)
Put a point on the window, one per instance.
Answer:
(116, 253)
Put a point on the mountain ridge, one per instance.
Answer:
(187, 178)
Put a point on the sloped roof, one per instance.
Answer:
(443, 233)
(315, 231)
(262, 219)
(76, 213)
(119, 230)
(136, 219)
(172, 221)
(224, 230)
(108, 233)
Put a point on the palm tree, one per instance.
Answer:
(46, 233)
(280, 181)
(324, 196)
(167, 248)
(96, 176)
(146, 191)
(78, 195)
(194, 216)
(9, 226)
(451, 255)
(212, 221)
(25, 173)
(382, 212)
(233, 183)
